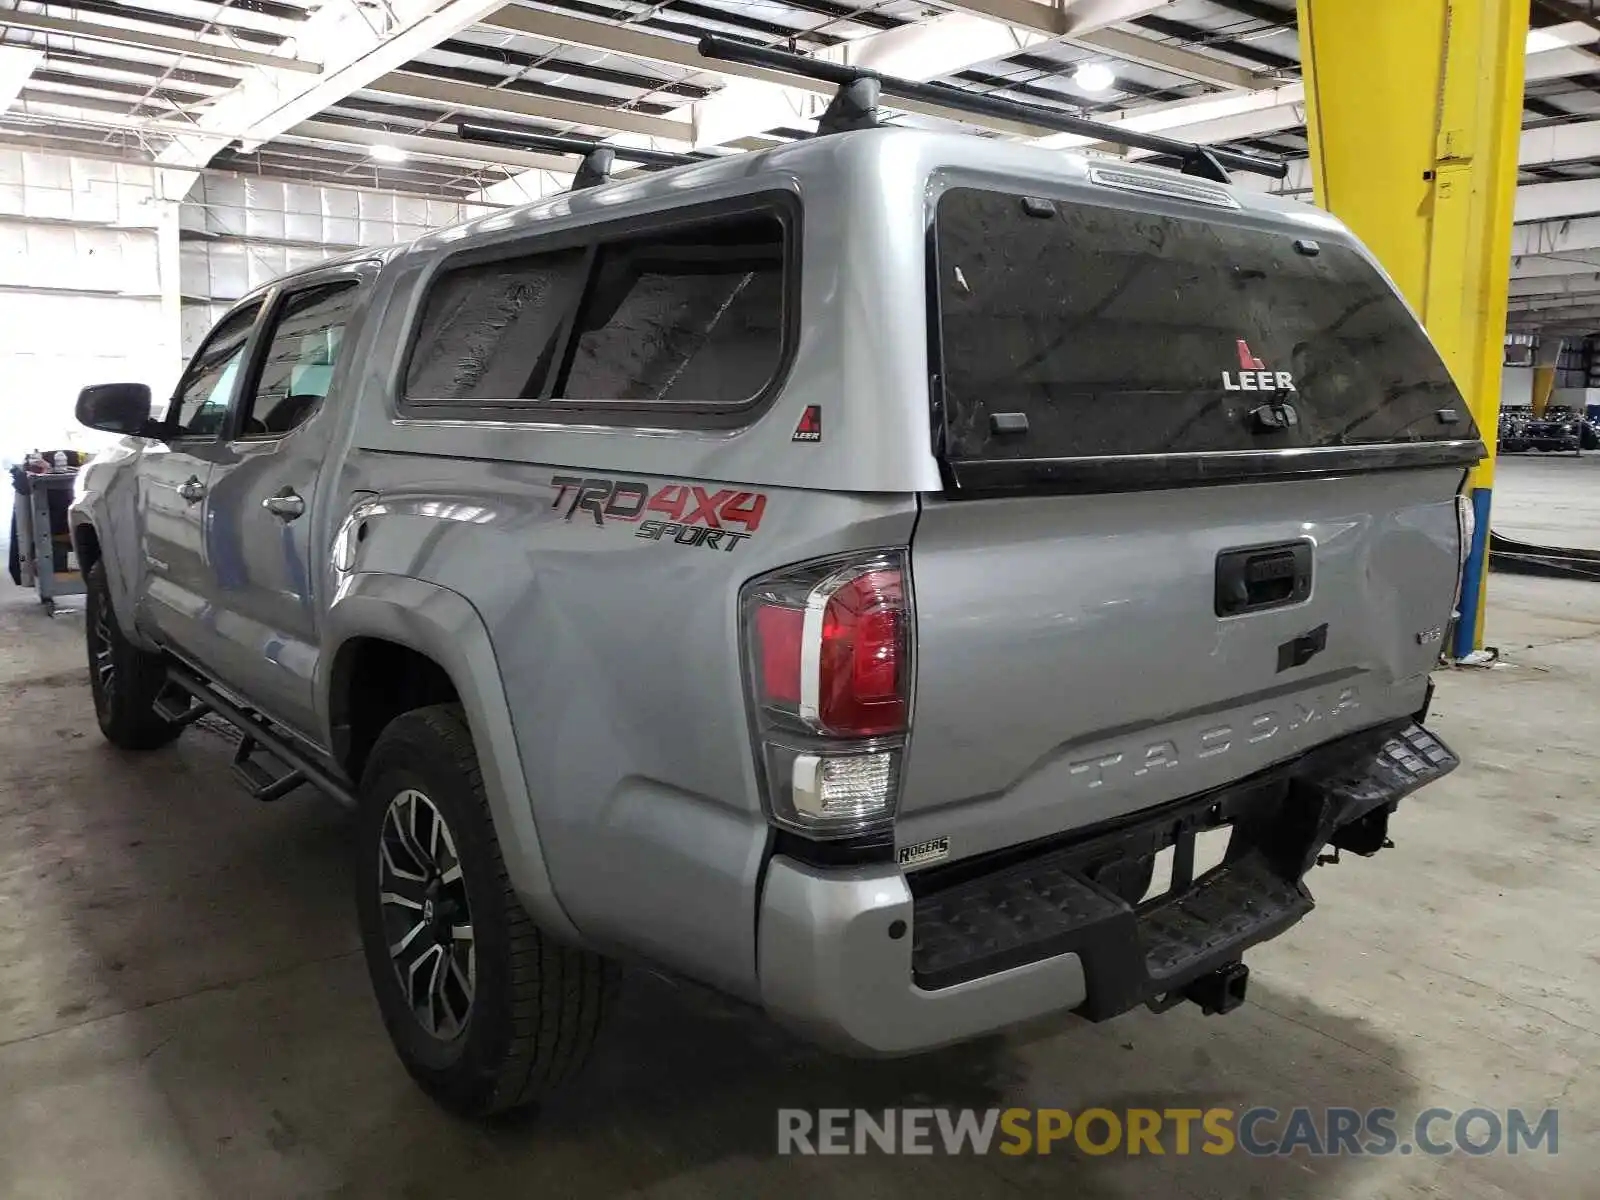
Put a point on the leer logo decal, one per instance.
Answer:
(693, 515)
(810, 427)
(1253, 375)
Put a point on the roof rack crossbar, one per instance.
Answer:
(472, 131)
(1207, 161)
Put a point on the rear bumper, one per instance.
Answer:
(871, 961)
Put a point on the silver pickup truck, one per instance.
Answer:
(855, 575)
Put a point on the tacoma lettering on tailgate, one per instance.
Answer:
(1123, 764)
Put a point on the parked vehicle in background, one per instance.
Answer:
(710, 570)
(1513, 420)
(1559, 428)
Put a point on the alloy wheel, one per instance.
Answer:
(105, 666)
(427, 920)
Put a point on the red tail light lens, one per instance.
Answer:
(860, 662)
(833, 651)
(778, 632)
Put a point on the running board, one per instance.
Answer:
(261, 783)
(177, 707)
(258, 735)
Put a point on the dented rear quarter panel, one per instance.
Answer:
(619, 653)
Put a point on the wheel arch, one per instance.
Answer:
(85, 543)
(85, 527)
(433, 640)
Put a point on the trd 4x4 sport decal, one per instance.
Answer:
(690, 515)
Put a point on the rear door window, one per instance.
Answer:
(1077, 331)
(307, 334)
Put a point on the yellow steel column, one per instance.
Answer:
(1545, 361)
(1414, 112)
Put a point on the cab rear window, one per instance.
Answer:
(1077, 330)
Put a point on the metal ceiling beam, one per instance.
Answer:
(1550, 201)
(501, 100)
(1570, 12)
(1539, 266)
(1558, 285)
(1058, 23)
(782, 98)
(1145, 52)
(352, 51)
(940, 46)
(1208, 119)
(445, 148)
(1583, 297)
(944, 45)
(630, 41)
(1560, 62)
(189, 47)
(1555, 237)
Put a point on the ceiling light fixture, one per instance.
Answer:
(1094, 77)
(384, 152)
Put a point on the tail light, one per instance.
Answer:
(1467, 530)
(828, 649)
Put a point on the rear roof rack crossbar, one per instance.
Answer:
(598, 157)
(1208, 162)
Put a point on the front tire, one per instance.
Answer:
(123, 679)
(487, 1012)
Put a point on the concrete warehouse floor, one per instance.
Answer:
(1548, 499)
(183, 1011)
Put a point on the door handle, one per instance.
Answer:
(286, 505)
(1262, 577)
(192, 489)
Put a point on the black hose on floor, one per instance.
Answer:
(1523, 558)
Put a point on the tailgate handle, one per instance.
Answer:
(1262, 577)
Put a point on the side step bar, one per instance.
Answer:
(258, 734)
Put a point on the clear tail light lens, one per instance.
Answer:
(828, 647)
(1467, 528)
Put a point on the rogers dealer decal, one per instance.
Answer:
(689, 515)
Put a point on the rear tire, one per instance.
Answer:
(487, 1012)
(124, 679)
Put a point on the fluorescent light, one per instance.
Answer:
(1094, 77)
(384, 152)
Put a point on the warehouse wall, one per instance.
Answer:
(105, 275)
(87, 254)
(237, 232)
(1516, 386)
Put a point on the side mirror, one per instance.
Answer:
(116, 408)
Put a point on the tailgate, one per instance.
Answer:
(1072, 665)
(1200, 511)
